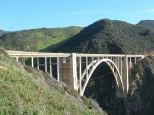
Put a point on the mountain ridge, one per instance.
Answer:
(110, 36)
(102, 36)
(147, 23)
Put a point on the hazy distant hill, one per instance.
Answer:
(108, 36)
(147, 23)
(1, 33)
(36, 39)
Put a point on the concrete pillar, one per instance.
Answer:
(118, 63)
(125, 76)
(58, 77)
(121, 65)
(130, 62)
(38, 66)
(74, 67)
(87, 67)
(17, 58)
(32, 61)
(50, 67)
(68, 71)
(135, 60)
(80, 73)
(45, 64)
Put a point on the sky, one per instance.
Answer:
(29, 14)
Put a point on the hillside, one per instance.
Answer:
(147, 23)
(109, 36)
(140, 100)
(36, 39)
(103, 36)
(26, 91)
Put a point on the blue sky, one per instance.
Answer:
(28, 14)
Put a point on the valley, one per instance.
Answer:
(104, 36)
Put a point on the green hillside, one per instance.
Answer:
(140, 100)
(36, 39)
(103, 36)
(26, 92)
(109, 36)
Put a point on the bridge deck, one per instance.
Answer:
(36, 54)
(42, 54)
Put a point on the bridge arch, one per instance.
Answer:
(93, 66)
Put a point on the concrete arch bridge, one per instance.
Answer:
(76, 69)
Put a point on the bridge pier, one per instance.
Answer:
(67, 71)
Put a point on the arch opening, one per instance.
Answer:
(102, 88)
(93, 66)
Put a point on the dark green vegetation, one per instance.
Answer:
(107, 36)
(103, 36)
(140, 100)
(147, 23)
(26, 91)
(36, 39)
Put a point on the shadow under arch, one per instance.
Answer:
(102, 87)
(93, 66)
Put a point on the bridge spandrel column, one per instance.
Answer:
(125, 76)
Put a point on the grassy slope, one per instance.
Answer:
(27, 93)
(36, 39)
